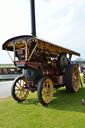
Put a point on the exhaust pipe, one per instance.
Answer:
(33, 24)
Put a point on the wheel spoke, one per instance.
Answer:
(18, 83)
(19, 95)
(17, 92)
(17, 89)
(17, 86)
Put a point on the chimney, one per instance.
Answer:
(33, 23)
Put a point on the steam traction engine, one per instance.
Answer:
(46, 66)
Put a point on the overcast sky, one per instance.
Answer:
(61, 22)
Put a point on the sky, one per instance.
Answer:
(61, 22)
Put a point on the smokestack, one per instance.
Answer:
(33, 24)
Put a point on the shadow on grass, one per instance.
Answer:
(30, 101)
(62, 100)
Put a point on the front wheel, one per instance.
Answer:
(45, 90)
(19, 89)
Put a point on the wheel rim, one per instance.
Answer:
(76, 78)
(21, 91)
(47, 91)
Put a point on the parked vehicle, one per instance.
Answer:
(46, 66)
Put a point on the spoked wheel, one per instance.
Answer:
(72, 77)
(45, 90)
(19, 89)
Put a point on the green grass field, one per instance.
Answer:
(65, 111)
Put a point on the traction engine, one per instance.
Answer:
(45, 66)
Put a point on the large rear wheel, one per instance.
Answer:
(72, 77)
(45, 90)
(19, 89)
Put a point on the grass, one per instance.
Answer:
(65, 111)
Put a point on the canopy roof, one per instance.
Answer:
(21, 41)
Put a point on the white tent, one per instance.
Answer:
(79, 61)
